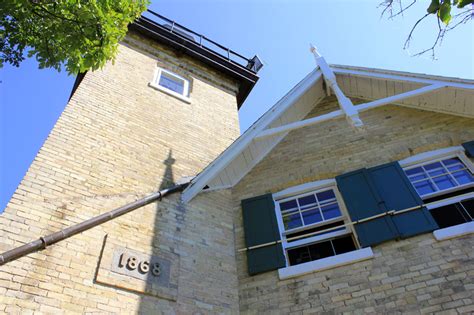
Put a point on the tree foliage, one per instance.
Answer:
(449, 14)
(75, 34)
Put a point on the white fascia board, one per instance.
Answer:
(326, 263)
(402, 78)
(454, 231)
(245, 139)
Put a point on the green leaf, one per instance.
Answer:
(463, 3)
(77, 35)
(434, 6)
(444, 12)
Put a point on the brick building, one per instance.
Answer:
(354, 193)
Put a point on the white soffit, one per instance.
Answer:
(456, 97)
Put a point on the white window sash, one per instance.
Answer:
(156, 84)
(449, 201)
(437, 156)
(306, 189)
(317, 238)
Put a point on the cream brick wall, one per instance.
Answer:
(415, 275)
(117, 140)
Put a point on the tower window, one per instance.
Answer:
(171, 83)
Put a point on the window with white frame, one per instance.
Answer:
(440, 175)
(312, 224)
(171, 83)
(444, 179)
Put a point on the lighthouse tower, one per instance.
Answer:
(163, 110)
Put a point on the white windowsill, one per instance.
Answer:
(326, 263)
(454, 231)
(169, 92)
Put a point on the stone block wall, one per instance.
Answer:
(415, 275)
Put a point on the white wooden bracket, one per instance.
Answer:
(345, 103)
(348, 109)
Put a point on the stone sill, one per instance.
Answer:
(454, 231)
(169, 92)
(326, 263)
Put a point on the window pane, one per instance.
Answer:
(344, 244)
(417, 177)
(171, 83)
(299, 255)
(312, 216)
(307, 200)
(331, 211)
(463, 177)
(288, 205)
(469, 206)
(444, 182)
(292, 221)
(451, 161)
(414, 171)
(321, 250)
(447, 216)
(325, 195)
(433, 166)
(424, 187)
(456, 167)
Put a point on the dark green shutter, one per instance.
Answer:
(260, 227)
(362, 200)
(398, 193)
(469, 147)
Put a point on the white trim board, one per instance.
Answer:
(326, 263)
(454, 231)
(404, 77)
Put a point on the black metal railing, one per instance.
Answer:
(252, 64)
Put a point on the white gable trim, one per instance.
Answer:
(245, 139)
(422, 79)
(357, 109)
(259, 130)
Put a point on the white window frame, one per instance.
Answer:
(155, 83)
(301, 190)
(436, 156)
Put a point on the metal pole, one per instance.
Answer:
(390, 212)
(51, 239)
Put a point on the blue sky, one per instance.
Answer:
(345, 31)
